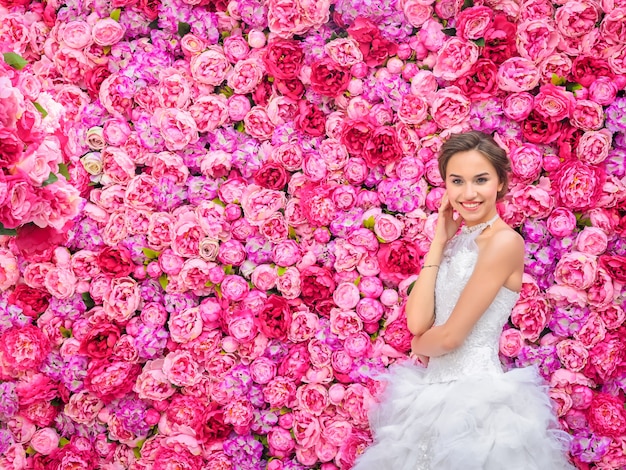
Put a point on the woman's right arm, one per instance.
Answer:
(420, 306)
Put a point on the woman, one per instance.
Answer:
(463, 411)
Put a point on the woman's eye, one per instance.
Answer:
(456, 181)
(481, 180)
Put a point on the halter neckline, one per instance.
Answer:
(479, 227)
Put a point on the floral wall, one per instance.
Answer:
(211, 212)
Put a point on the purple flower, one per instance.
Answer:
(590, 448)
(615, 116)
(9, 403)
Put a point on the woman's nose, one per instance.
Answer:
(469, 191)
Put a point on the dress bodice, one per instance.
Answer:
(478, 355)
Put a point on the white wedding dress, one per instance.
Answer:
(463, 412)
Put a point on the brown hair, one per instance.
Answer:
(483, 143)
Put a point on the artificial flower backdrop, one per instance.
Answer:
(212, 210)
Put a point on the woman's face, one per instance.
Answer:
(472, 185)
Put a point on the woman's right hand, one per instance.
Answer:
(447, 225)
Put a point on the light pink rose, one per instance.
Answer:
(417, 12)
(304, 326)
(181, 369)
(387, 228)
(455, 59)
(449, 107)
(210, 67)
(576, 269)
(358, 345)
(346, 295)
(258, 123)
(9, 272)
(76, 34)
(83, 407)
(177, 127)
(532, 201)
(264, 277)
(594, 146)
(592, 240)
(536, 39)
(280, 442)
(517, 74)
(612, 27)
(45, 441)
(185, 324)
(575, 19)
(262, 370)
(518, 106)
(413, 109)
(122, 300)
(289, 284)
(345, 322)
(61, 283)
(561, 222)
(186, 234)
(236, 48)
(572, 354)
(246, 75)
(238, 107)
(259, 203)
(531, 315)
(152, 383)
(511, 342)
(234, 288)
(526, 162)
(554, 103)
(591, 332)
(587, 115)
(107, 32)
(312, 398)
(424, 84)
(344, 51)
(356, 401)
(603, 91)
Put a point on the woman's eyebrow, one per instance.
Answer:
(476, 176)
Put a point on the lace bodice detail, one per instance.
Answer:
(479, 353)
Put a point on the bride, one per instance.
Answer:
(463, 411)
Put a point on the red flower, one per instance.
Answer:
(31, 301)
(99, 342)
(213, 428)
(311, 120)
(378, 51)
(116, 261)
(283, 59)
(363, 30)
(606, 415)
(317, 284)
(328, 78)
(271, 176)
(355, 136)
(293, 89)
(383, 147)
(615, 265)
(586, 69)
(539, 130)
(397, 335)
(37, 244)
(109, 380)
(398, 260)
(480, 82)
(275, 318)
(500, 40)
(296, 363)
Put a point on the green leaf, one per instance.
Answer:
(137, 452)
(228, 269)
(557, 81)
(369, 222)
(240, 127)
(39, 108)
(480, 42)
(87, 300)
(573, 86)
(449, 31)
(218, 290)
(183, 28)
(63, 442)
(7, 231)
(64, 171)
(30, 451)
(115, 14)
(218, 202)
(164, 281)
(154, 24)
(408, 291)
(281, 270)
(150, 254)
(357, 281)
(65, 332)
(15, 60)
(467, 4)
(228, 92)
(52, 178)
(292, 233)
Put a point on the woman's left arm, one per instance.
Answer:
(502, 255)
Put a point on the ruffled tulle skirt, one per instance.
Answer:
(493, 422)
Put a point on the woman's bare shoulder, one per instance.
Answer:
(504, 241)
